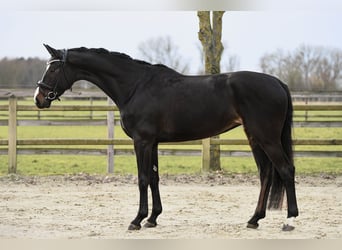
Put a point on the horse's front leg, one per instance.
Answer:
(143, 151)
(154, 184)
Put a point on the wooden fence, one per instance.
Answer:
(13, 142)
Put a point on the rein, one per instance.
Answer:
(53, 94)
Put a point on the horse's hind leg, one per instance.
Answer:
(286, 171)
(265, 172)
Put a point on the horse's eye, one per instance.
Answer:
(53, 70)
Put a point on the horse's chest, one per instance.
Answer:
(127, 123)
(137, 125)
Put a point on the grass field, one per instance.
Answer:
(69, 164)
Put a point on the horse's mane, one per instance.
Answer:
(114, 54)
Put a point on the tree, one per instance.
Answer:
(20, 72)
(229, 62)
(210, 33)
(328, 71)
(306, 68)
(308, 59)
(162, 50)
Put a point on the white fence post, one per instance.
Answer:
(12, 135)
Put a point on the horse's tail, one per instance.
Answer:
(277, 191)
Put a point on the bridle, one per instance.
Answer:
(53, 94)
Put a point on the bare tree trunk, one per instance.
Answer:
(210, 36)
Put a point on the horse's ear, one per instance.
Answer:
(53, 52)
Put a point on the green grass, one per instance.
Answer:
(70, 164)
(172, 165)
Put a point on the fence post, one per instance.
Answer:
(306, 111)
(110, 148)
(12, 135)
(206, 155)
(91, 111)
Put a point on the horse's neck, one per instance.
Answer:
(117, 80)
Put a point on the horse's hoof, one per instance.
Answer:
(134, 227)
(150, 224)
(253, 226)
(287, 228)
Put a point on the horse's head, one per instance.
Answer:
(55, 80)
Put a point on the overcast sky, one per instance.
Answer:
(247, 34)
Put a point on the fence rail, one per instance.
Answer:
(120, 142)
(19, 146)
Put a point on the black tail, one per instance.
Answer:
(277, 191)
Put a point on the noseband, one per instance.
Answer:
(52, 94)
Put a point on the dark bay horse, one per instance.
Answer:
(157, 104)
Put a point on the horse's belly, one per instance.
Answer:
(193, 129)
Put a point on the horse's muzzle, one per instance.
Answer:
(40, 100)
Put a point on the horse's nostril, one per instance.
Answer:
(38, 103)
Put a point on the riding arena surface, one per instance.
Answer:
(212, 206)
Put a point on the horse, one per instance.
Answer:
(158, 104)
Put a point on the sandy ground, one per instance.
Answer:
(195, 207)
